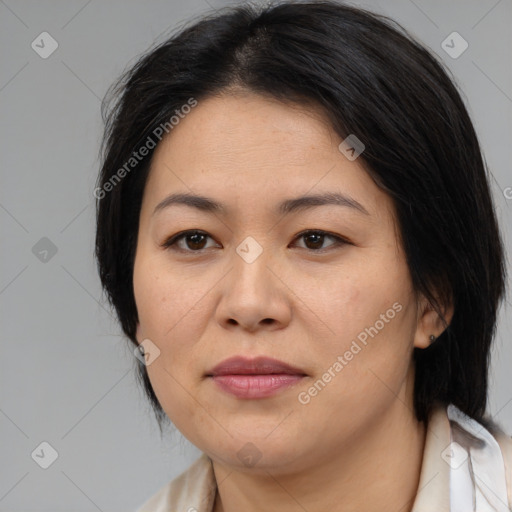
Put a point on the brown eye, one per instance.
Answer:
(314, 239)
(194, 241)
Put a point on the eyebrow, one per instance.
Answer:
(288, 206)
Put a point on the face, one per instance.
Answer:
(322, 287)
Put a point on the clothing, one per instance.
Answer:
(465, 468)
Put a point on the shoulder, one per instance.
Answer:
(193, 490)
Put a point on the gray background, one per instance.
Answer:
(68, 378)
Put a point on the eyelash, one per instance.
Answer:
(170, 242)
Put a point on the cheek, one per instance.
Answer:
(353, 298)
(370, 321)
(160, 301)
(171, 316)
(175, 395)
(168, 321)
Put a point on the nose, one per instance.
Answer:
(254, 295)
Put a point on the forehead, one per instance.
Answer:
(231, 126)
(245, 148)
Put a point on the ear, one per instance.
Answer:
(138, 334)
(430, 323)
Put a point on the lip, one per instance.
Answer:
(239, 365)
(260, 377)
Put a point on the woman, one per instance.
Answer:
(296, 230)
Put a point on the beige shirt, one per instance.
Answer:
(465, 468)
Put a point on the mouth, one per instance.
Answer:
(254, 378)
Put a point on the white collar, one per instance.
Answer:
(477, 468)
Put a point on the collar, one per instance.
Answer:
(465, 468)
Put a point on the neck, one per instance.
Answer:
(378, 471)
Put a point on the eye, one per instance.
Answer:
(194, 240)
(316, 238)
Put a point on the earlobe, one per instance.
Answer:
(430, 324)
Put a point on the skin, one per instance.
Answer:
(356, 445)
